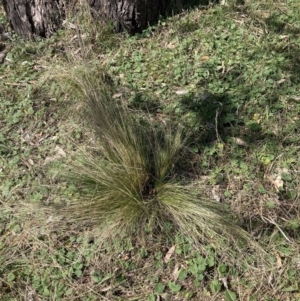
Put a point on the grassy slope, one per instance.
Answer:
(247, 58)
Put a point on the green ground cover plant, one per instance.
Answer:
(216, 90)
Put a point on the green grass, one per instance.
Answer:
(237, 68)
(127, 179)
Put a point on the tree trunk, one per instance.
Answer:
(30, 18)
(130, 15)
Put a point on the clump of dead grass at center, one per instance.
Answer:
(127, 181)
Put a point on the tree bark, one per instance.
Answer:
(130, 15)
(31, 18)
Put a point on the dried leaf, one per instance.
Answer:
(117, 95)
(270, 278)
(204, 58)
(278, 261)
(239, 141)
(278, 182)
(176, 272)
(105, 289)
(60, 153)
(223, 3)
(276, 178)
(225, 282)
(69, 25)
(283, 37)
(281, 81)
(171, 45)
(169, 254)
(182, 92)
(214, 193)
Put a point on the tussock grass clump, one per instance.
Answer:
(127, 180)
